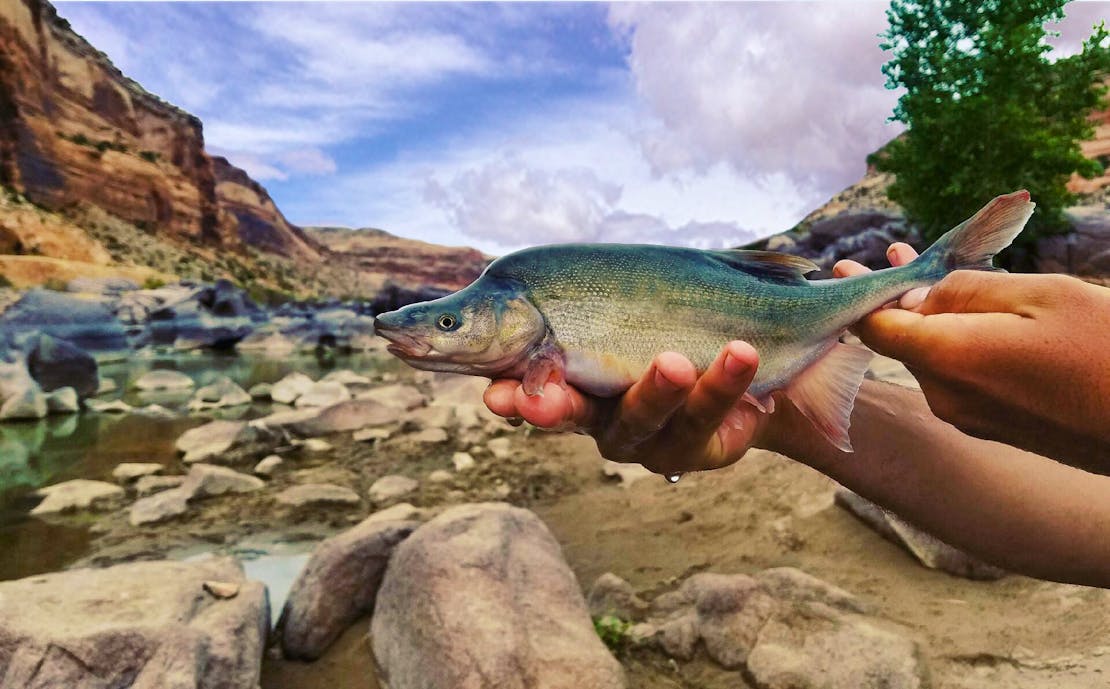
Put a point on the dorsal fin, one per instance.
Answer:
(770, 265)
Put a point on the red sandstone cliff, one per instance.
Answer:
(74, 129)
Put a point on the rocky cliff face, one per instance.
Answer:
(379, 255)
(74, 129)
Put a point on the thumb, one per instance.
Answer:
(898, 334)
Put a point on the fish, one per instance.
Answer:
(595, 315)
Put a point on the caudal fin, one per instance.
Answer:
(972, 244)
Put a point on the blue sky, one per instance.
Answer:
(505, 125)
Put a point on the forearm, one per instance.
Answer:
(1023, 512)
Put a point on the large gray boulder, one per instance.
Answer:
(141, 625)
(86, 324)
(481, 597)
(338, 585)
(56, 363)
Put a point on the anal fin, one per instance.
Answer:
(826, 391)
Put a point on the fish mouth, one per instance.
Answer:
(401, 343)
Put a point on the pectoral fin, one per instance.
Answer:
(545, 365)
(826, 391)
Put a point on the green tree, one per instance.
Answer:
(987, 111)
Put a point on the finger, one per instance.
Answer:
(558, 408)
(651, 401)
(974, 291)
(900, 253)
(499, 397)
(718, 389)
(847, 268)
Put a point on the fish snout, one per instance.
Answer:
(403, 343)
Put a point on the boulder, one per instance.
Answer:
(126, 472)
(392, 487)
(78, 494)
(346, 377)
(1085, 251)
(289, 388)
(86, 324)
(113, 407)
(160, 506)
(397, 395)
(268, 465)
(730, 609)
(57, 363)
(148, 485)
(338, 585)
(260, 391)
(484, 590)
(807, 646)
(142, 624)
(224, 392)
(206, 480)
(929, 550)
(463, 461)
(163, 379)
(324, 394)
(794, 584)
(26, 403)
(317, 494)
(212, 439)
(63, 401)
(611, 595)
(346, 416)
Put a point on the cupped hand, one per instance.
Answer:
(671, 420)
(1021, 359)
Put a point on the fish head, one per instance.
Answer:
(486, 328)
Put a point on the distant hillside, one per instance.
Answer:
(376, 252)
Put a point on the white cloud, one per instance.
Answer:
(308, 161)
(788, 89)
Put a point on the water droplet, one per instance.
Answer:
(673, 478)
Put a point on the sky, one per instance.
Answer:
(506, 125)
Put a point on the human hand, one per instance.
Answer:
(1022, 359)
(672, 420)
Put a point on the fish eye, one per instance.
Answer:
(447, 322)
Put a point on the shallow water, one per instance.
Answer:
(90, 445)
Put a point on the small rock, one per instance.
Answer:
(611, 595)
(429, 436)
(324, 394)
(401, 512)
(105, 386)
(222, 589)
(163, 380)
(316, 445)
(205, 480)
(63, 401)
(430, 417)
(260, 391)
(223, 393)
(462, 461)
(440, 476)
(731, 609)
(795, 585)
(156, 411)
(268, 465)
(127, 472)
(679, 636)
(78, 494)
(113, 407)
(501, 448)
(212, 439)
(311, 494)
(289, 388)
(391, 487)
(371, 434)
(346, 377)
(160, 506)
(397, 396)
(148, 485)
(346, 416)
(626, 473)
(24, 398)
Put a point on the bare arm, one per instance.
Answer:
(1023, 512)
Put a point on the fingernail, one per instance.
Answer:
(663, 383)
(734, 366)
(914, 298)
